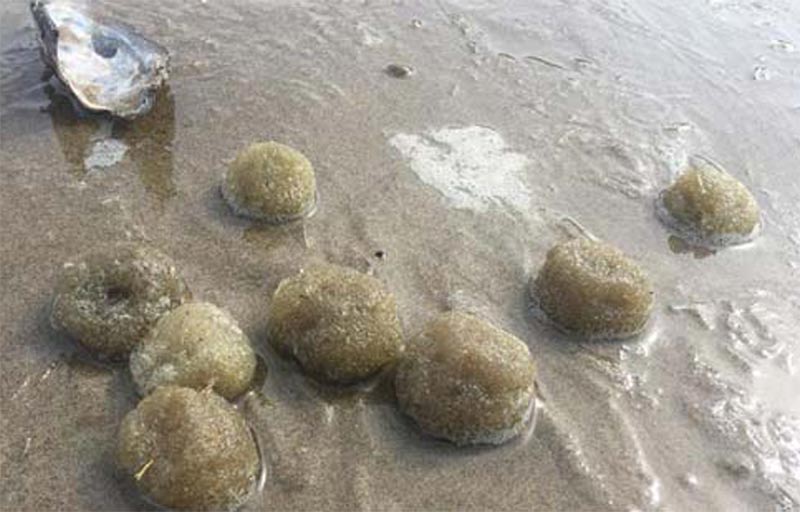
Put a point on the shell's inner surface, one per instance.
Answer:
(106, 66)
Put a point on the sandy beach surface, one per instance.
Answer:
(521, 123)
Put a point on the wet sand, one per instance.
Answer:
(521, 121)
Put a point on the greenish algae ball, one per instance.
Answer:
(195, 345)
(592, 289)
(709, 206)
(272, 182)
(339, 324)
(467, 381)
(189, 450)
(109, 299)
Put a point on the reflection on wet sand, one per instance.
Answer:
(150, 141)
(90, 141)
(680, 246)
(73, 129)
(270, 237)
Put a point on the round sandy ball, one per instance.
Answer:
(708, 205)
(339, 324)
(195, 345)
(464, 380)
(189, 450)
(592, 289)
(272, 182)
(110, 299)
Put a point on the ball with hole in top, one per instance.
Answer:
(110, 298)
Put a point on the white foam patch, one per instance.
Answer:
(471, 166)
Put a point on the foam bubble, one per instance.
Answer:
(471, 166)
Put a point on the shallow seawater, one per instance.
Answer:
(522, 124)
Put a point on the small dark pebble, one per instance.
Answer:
(399, 71)
(738, 466)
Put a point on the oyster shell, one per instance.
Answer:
(106, 65)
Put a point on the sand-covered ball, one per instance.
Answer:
(467, 381)
(339, 324)
(593, 289)
(272, 182)
(189, 450)
(708, 205)
(110, 299)
(195, 345)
